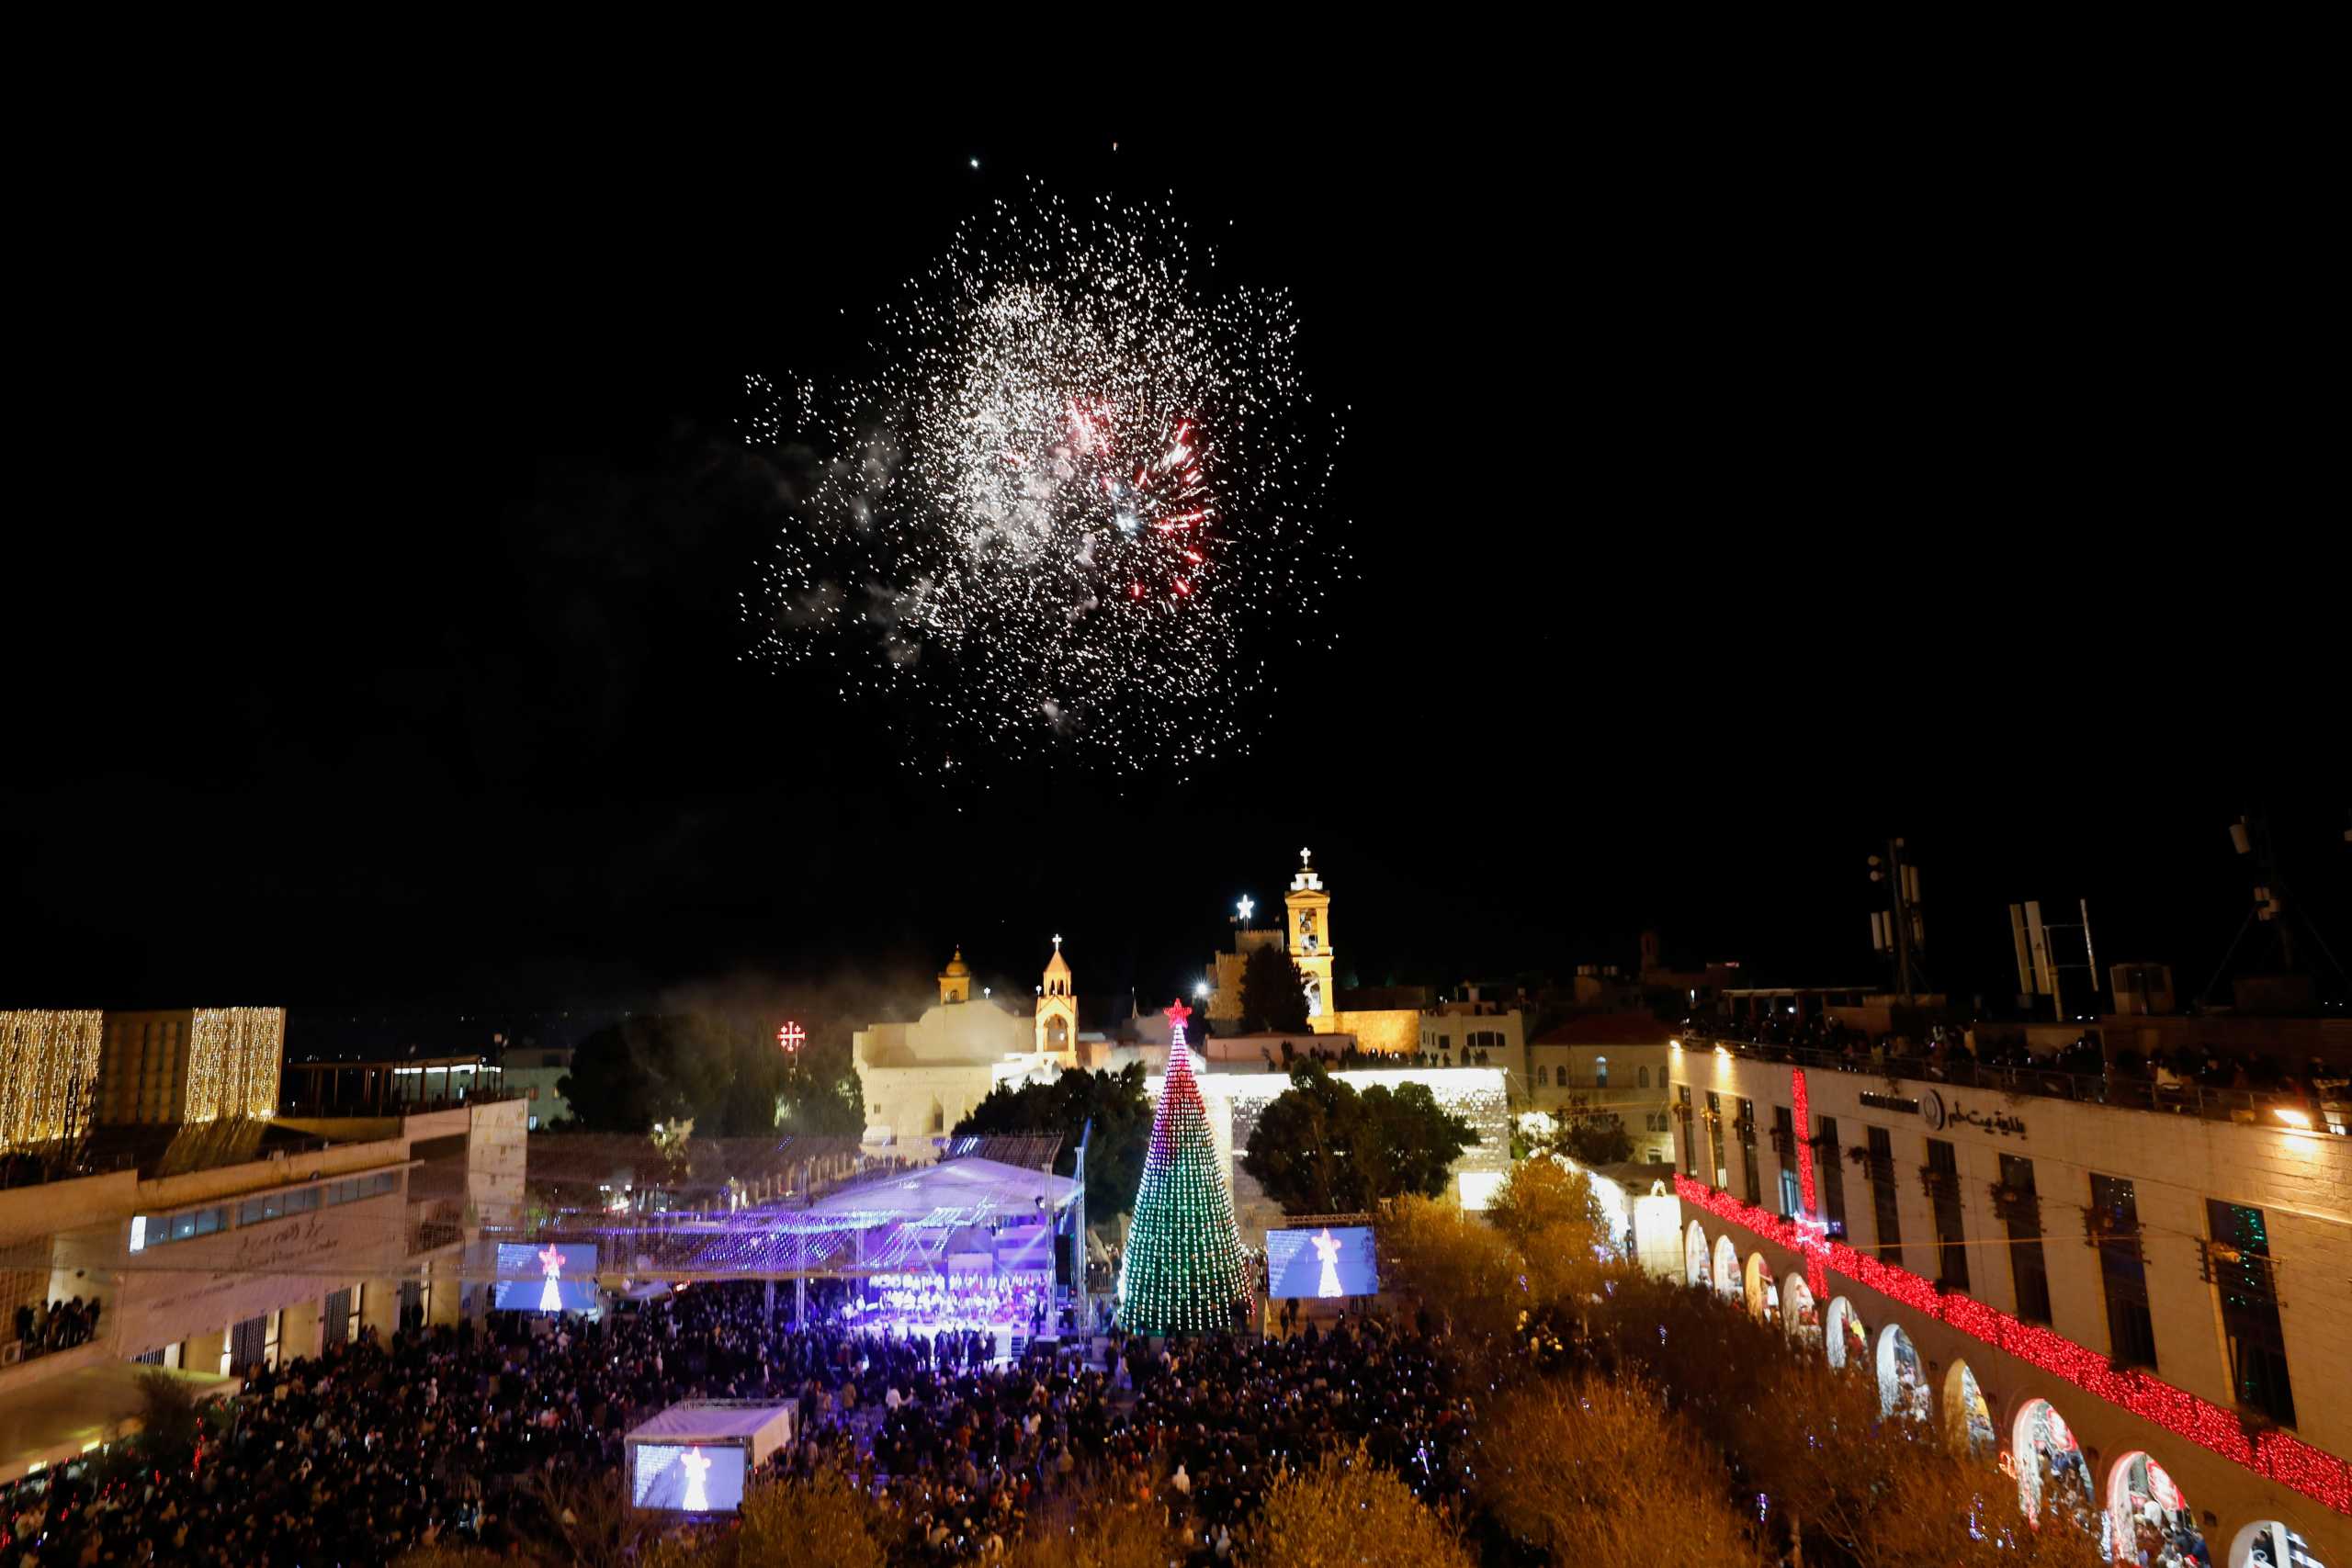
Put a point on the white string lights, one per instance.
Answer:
(234, 1060)
(49, 1070)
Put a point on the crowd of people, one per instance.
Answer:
(56, 1324)
(2079, 1068)
(1350, 1057)
(472, 1433)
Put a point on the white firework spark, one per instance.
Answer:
(1080, 506)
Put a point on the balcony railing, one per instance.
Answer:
(2089, 1089)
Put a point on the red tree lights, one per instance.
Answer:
(2287, 1461)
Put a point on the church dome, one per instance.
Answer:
(957, 968)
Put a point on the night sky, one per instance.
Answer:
(1713, 515)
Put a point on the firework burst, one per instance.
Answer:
(1078, 506)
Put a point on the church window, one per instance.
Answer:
(1542, 1078)
(1642, 1077)
(1601, 1072)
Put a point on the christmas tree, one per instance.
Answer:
(1184, 1270)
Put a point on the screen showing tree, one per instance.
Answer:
(687, 1478)
(1336, 1261)
(551, 1277)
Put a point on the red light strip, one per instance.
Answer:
(1816, 1277)
(2290, 1462)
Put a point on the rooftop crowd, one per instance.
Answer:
(2078, 1069)
(472, 1434)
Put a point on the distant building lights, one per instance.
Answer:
(2293, 1118)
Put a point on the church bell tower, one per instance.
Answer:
(1058, 1012)
(956, 980)
(1306, 932)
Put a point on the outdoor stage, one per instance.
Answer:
(966, 1245)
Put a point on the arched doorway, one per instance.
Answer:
(1967, 1414)
(1694, 1254)
(2145, 1512)
(1727, 1267)
(1849, 1341)
(1762, 1290)
(2053, 1482)
(1902, 1376)
(2272, 1543)
(1800, 1314)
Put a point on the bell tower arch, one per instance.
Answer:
(1306, 932)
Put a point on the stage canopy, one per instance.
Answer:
(1004, 1191)
(911, 1219)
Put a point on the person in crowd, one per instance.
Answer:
(445, 1434)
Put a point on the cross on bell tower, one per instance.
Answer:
(1306, 932)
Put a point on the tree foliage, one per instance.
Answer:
(1120, 1108)
(1095, 1527)
(168, 1417)
(825, 1520)
(1347, 1512)
(724, 1074)
(1595, 1472)
(1542, 1201)
(1321, 1148)
(1274, 993)
(1460, 1269)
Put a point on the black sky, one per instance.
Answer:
(1717, 507)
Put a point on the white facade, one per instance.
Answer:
(2144, 1344)
(921, 1078)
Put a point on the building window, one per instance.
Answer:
(2022, 1212)
(1542, 1078)
(1642, 1079)
(1601, 1072)
(1943, 1193)
(1690, 1140)
(2238, 1261)
(1784, 1136)
(1753, 1191)
(1715, 1138)
(2114, 1220)
(1883, 1209)
(1829, 1177)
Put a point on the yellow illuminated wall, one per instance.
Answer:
(1393, 1029)
(234, 1057)
(48, 1068)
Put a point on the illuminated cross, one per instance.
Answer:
(1303, 855)
(791, 1037)
(1057, 944)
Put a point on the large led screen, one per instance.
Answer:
(687, 1478)
(554, 1278)
(1336, 1261)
